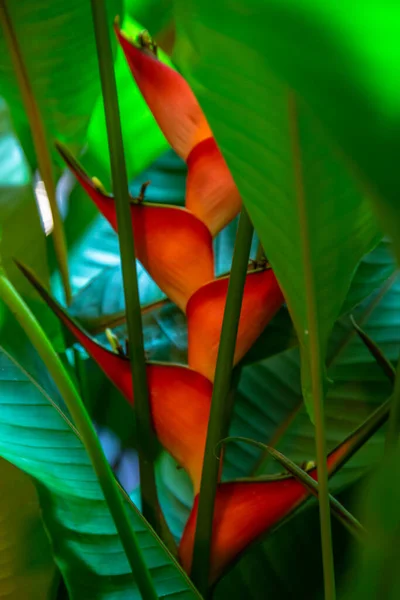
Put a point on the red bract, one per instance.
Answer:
(262, 298)
(179, 397)
(246, 510)
(211, 193)
(173, 245)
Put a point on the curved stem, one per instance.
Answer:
(84, 425)
(220, 404)
(145, 436)
(40, 144)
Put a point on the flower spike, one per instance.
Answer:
(262, 298)
(179, 397)
(211, 193)
(173, 245)
(246, 510)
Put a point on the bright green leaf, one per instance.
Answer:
(314, 223)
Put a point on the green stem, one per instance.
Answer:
(84, 425)
(315, 358)
(260, 255)
(220, 404)
(392, 436)
(40, 143)
(145, 437)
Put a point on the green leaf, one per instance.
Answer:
(21, 231)
(313, 222)
(374, 572)
(269, 405)
(53, 38)
(86, 545)
(343, 59)
(27, 567)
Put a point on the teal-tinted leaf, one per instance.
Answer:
(269, 406)
(86, 545)
(314, 223)
(27, 566)
(58, 49)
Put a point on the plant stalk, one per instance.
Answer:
(315, 358)
(85, 427)
(221, 406)
(145, 437)
(393, 432)
(40, 143)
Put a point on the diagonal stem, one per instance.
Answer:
(221, 404)
(40, 143)
(145, 437)
(85, 427)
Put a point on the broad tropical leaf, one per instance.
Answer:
(314, 223)
(343, 59)
(27, 566)
(76, 515)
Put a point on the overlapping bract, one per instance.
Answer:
(211, 193)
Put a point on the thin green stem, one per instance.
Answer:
(84, 425)
(315, 358)
(393, 432)
(145, 436)
(260, 255)
(40, 143)
(220, 404)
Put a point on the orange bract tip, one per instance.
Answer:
(205, 310)
(169, 98)
(243, 512)
(172, 244)
(211, 193)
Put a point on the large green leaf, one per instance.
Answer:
(40, 440)
(27, 566)
(343, 58)
(269, 405)
(313, 222)
(57, 45)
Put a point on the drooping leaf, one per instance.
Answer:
(313, 222)
(27, 566)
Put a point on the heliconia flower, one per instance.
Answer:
(179, 397)
(211, 193)
(262, 298)
(246, 510)
(173, 245)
